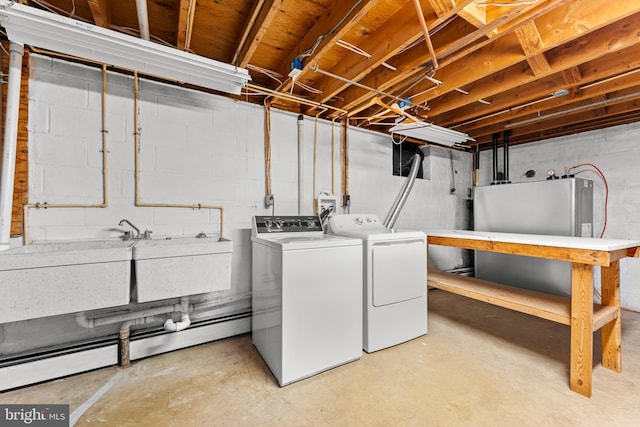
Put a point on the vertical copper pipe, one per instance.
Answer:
(425, 30)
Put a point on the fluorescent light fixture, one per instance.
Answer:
(431, 133)
(28, 25)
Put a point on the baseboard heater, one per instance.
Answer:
(36, 367)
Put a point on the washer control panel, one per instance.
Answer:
(287, 224)
(353, 222)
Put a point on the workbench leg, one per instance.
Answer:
(612, 331)
(581, 328)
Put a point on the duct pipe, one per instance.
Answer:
(143, 19)
(495, 158)
(392, 216)
(505, 154)
(10, 142)
(300, 163)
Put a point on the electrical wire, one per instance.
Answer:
(312, 49)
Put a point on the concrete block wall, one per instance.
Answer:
(615, 151)
(197, 148)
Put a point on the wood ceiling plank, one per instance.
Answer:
(572, 53)
(411, 63)
(532, 45)
(476, 16)
(187, 10)
(550, 107)
(395, 35)
(578, 120)
(399, 32)
(100, 12)
(257, 30)
(442, 8)
(508, 103)
(322, 30)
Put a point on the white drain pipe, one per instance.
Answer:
(171, 326)
(300, 163)
(10, 143)
(143, 19)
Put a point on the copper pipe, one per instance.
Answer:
(105, 171)
(136, 124)
(425, 30)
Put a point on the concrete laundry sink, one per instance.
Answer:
(49, 279)
(170, 268)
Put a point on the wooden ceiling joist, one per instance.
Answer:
(185, 24)
(498, 62)
(100, 11)
(411, 61)
(255, 28)
(329, 29)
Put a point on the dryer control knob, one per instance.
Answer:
(359, 220)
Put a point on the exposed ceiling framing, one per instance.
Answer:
(537, 68)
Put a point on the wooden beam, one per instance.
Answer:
(398, 32)
(579, 121)
(100, 12)
(255, 30)
(616, 64)
(504, 78)
(187, 11)
(584, 256)
(581, 328)
(532, 46)
(612, 331)
(411, 63)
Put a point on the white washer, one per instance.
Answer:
(395, 279)
(307, 296)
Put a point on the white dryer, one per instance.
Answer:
(307, 296)
(395, 279)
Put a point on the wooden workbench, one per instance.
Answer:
(578, 311)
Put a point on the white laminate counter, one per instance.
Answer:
(587, 243)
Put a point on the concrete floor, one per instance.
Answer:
(479, 365)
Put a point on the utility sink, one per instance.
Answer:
(171, 268)
(49, 279)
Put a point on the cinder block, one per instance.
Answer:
(72, 121)
(39, 121)
(181, 162)
(160, 188)
(56, 151)
(85, 185)
(158, 133)
(183, 110)
(199, 139)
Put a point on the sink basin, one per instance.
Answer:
(49, 279)
(180, 267)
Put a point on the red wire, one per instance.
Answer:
(604, 226)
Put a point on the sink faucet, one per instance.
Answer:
(127, 234)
